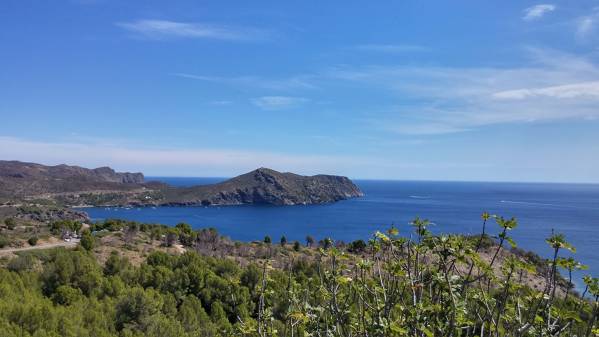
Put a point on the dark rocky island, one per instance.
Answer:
(266, 186)
(73, 185)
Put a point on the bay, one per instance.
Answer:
(452, 207)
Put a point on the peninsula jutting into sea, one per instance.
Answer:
(275, 168)
(77, 186)
(133, 236)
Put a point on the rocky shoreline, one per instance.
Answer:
(73, 186)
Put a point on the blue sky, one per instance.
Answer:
(436, 90)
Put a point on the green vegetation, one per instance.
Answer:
(309, 241)
(389, 286)
(4, 241)
(32, 240)
(58, 227)
(10, 223)
(87, 240)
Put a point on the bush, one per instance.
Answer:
(66, 295)
(171, 237)
(87, 240)
(4, 242)
(32, 240)
(62, 292)
(357, 246)
(10, 223)
(57, 227)
(22, 263)
(297, 246)
(309, 241)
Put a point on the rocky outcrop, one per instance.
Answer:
(266, 186)
(73, 185)
(19, 179)
(108, 174)
(50, 214)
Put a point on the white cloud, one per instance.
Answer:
(537, 12)
(294, 82)
(172, 161)
(277, 102)
(391, 48)
(164, 29)
(577, 90)
(552, 86)
(203, 162)
(221, 102)
(425, 129)
(556, 86)
(585, 26)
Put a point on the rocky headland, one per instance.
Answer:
(77, 186)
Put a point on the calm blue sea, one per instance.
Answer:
(453, 207)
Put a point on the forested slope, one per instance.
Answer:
(389, 286)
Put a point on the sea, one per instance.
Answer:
(451, 207)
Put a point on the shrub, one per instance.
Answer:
(309, 241)
(32, 240)
(357, 246)
(67, 295)
(171, 237)
(22, 263)
(4, 242)
(10, 223)
(87, 240)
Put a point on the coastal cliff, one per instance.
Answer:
(266, 186)
(75, 186)
(20, 179)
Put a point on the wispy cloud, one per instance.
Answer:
(556, 86)
(164, 29)
(424, 129)
(576, 90)
(175, 161)
(278, 102)
(202, 162)
(294, 82)
(221, 102)
(551, 86)
(537, 11)
(391, 48)
(586, 26)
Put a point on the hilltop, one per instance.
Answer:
(74, 186)
(20, 179)
(266, 186)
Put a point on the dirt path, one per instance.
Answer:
(71, 243)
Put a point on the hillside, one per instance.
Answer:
(131, 279)
(266, 186)
(73, 185)
(20, 179)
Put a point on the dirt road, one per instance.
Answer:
(71, 243)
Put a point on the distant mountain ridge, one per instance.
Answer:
(74, 185)
(26, 179)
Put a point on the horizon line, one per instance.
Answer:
(410, 180)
